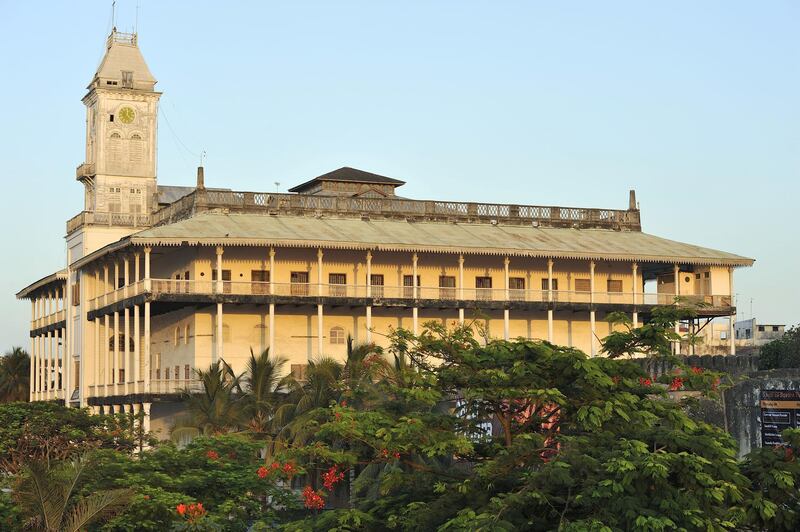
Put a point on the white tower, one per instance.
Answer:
(119, 171)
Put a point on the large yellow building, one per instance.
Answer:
(164, 280)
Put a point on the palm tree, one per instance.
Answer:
(263, 387)
(15, 368)
(218, 408)
(49, 501)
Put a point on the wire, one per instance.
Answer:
(175, 136)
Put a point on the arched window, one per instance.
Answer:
(121, 344)
(186, 334)
(337, 335)
(136, 148)
(176, 335)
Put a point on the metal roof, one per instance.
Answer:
(58, 277)
(349, 175)
(396, 235)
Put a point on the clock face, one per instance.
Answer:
(126, 115)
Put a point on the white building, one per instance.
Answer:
(164, 280)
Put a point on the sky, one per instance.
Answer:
(692, 104)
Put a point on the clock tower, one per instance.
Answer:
(119, 172)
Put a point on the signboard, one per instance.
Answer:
(780, 410)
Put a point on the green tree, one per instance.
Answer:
(49, 501)
(15, 372)
(263, 391)
(783, 352)
(50, 432)
(218, 407)
(526, 435)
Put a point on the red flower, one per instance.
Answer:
(275, 465)
(344, 403)
(337, 415)
(676, 384)
(331, 477)
(645, 382)
(385, 453)
(146, 497)
(181, 508)
(289, 469)
(312, 500)
(396, 455)
(789, 454)
(262, 472)
(696, 370)
(212, 455)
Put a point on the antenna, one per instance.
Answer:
(136, 24)
(202, 157)
(277, 185)
(114, 15)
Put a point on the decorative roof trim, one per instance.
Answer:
(59, 277)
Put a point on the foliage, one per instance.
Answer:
(653, 338)
(15, 368)
(217, 409)
(48, 431)
(220, 472)
(523, 435)
(783, 352)
(48, 499)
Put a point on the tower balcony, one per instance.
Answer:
(85, 170)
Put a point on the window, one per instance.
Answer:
(775, 328)
(186, 335)
(337, 282)
(186, 372)
(516, 288)
(121, 375)
(177, 373)
(747, 333)
(447, 287)
(111, 119)
(260, 281)
(614, 285)
(299, 371)
(226, 280)
(760, 328)
(697, 276)
(707, 275)
(299, 286)
(723, 335)
(127, 79)
(546, 287)
(166, 373)
(175, 336)
(408, 286)
(483, 288)
(337, 336)
(76, 293)
(186, 287)
(376, 284)
(583, 285)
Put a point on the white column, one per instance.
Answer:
(677, 344)
(219, 290)
(146, 417)
(506, 317)
(97, 357)
(369, 296)
(137, 349)
(732, 318)
(126, 350)
(320, 328)
(32, 375)
(126, 275)
(136, 271)
(59, 384)
(115, 362)
(146, 376)
(147, 286)
(272, 277)
(415, 310)
(461, 289)
(105, 284)
(550, 300)
(46, 365)
(106, 354)
(592, 315)
(635, 269)
(116, 276)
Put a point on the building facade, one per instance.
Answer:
(161, 281)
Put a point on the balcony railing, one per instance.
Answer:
(85, 170)
(314, 290)
(119, 219)
(50, 319)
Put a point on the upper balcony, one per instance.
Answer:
(85, 170)
(114, 219)
(394, 296)
(49, 319)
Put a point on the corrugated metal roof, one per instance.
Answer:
(58, 277)
(397, 235)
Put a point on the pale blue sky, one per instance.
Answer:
(693, 104)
